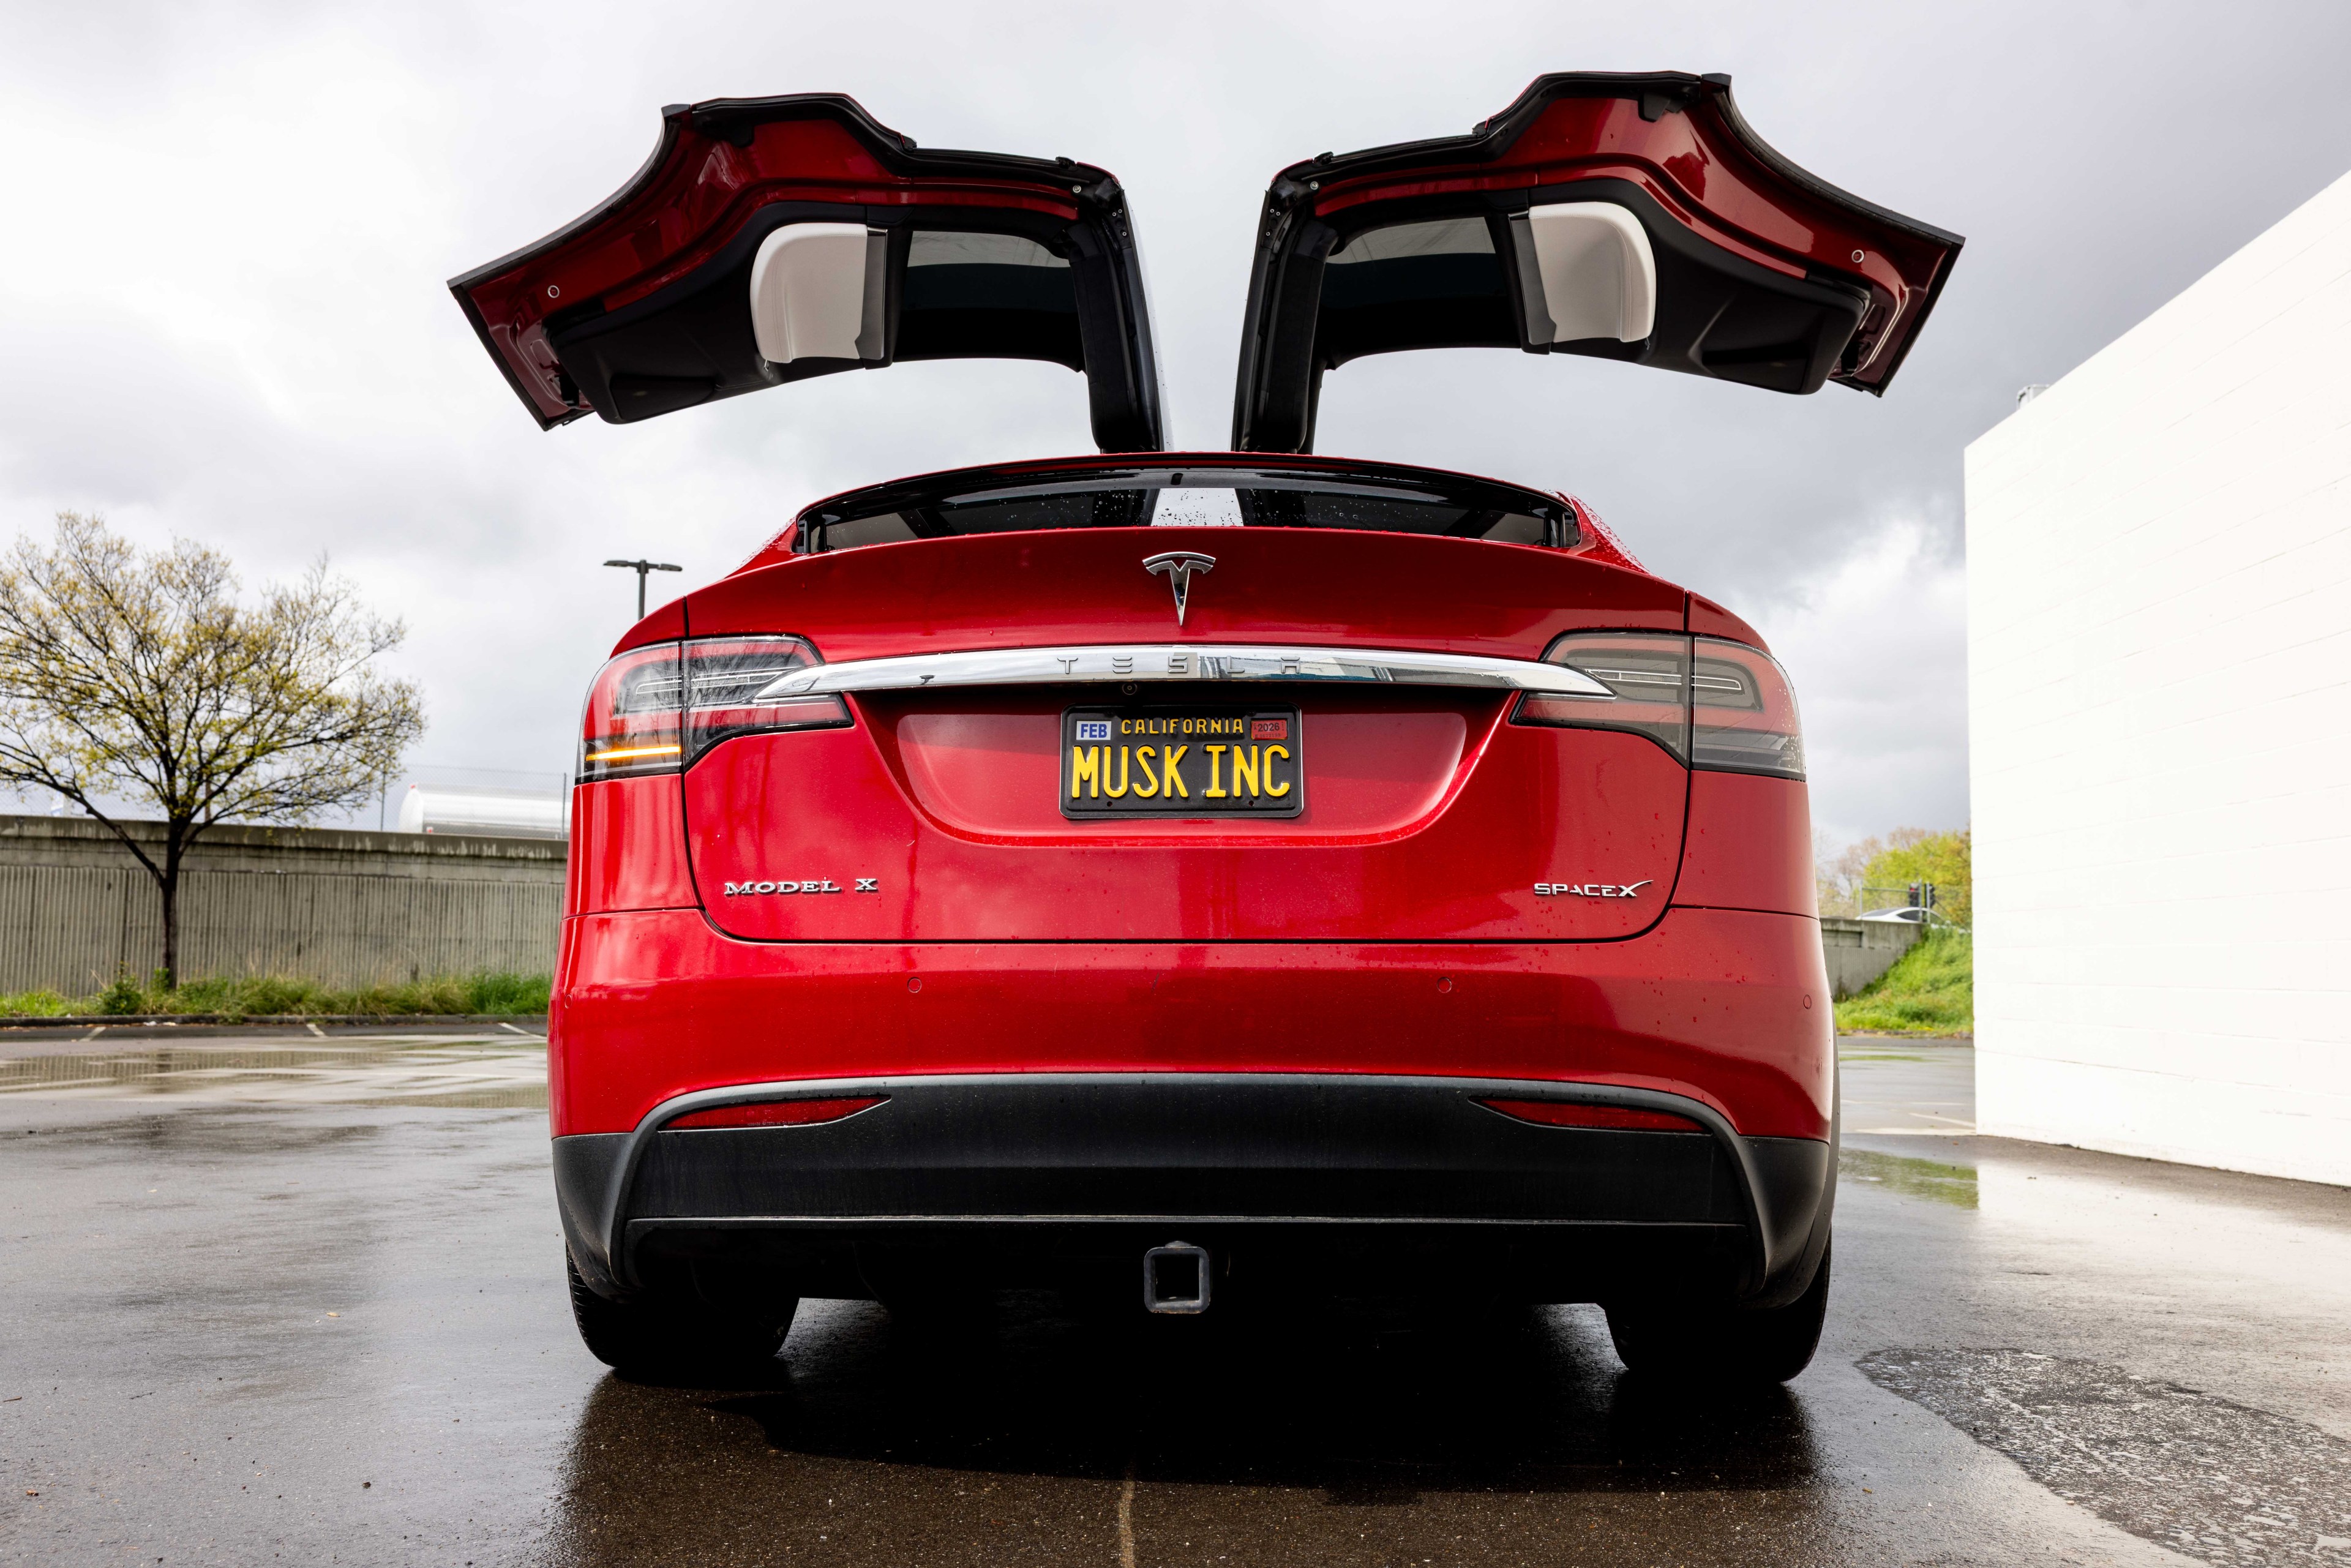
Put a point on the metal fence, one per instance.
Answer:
(1851, 903)
(342, 908)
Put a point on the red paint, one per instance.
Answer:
(1708, 173)
(696, 193)
(1600, 541)
(1040, 590)
(1708, 619)
(1425, 817)
(1710, 1004)
(627, 847)
(1393, 927)
(1750, 845)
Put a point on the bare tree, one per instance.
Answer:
(140, 677)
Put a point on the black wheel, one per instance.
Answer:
(1771, 1344)
(677, 1339)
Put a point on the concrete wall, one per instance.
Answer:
(1858, 951)
(346, 908)
(350, 908)
(2159, 701)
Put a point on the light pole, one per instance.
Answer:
(640, 567)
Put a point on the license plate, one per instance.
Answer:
(1182, 762)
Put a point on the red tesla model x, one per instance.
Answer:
(1197, 875)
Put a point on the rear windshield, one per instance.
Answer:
(1224, 497)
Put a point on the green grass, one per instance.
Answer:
(265, 995)
(1931, 990)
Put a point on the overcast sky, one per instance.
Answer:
(222, 309)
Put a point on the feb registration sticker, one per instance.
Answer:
(1181, 762)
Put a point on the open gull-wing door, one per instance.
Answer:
(773, 239)
(1628, 217)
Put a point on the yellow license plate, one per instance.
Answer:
(1182, 762)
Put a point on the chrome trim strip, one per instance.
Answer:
(1766, 1250)
(850, 1221)
(1107, 661)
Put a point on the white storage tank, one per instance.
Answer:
(493, 813)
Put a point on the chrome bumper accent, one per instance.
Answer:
(1156, 662)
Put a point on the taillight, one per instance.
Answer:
(777, 1113)
(655, 709)
(1563, 1113)
(1648, 673)
(1714, 704)
(724, 677)
(1743, 711)
(630, 726)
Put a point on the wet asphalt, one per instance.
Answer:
(277, 1299)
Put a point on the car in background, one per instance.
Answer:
(1907, 914)
(1188, 876)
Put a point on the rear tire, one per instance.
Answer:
(671, 1339)
(1723, 1344)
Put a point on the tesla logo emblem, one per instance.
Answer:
(1180, 566)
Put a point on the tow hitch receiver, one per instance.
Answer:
(1175, 1279)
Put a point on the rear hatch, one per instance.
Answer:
(1313, 744)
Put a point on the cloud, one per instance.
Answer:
(1877, 645)
(223, 307)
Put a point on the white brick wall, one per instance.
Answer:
(2159, 712)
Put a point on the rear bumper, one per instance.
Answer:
(1273, 1172)
(1728, 1008)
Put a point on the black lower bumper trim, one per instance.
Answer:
(1563, 1261)
(1021, 1169)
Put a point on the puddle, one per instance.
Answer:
(1929, 1179)
(467, 1071)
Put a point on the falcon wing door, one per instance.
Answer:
(775, 239)
(1625, 217)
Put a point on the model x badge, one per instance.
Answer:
(1180, 565)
